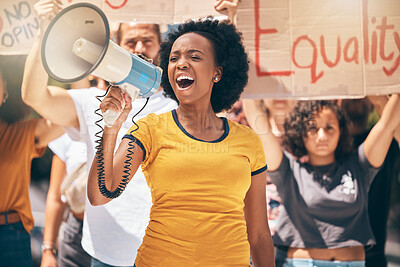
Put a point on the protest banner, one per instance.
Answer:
(321, 49)
(159, 11)
(18, 26)
(297, 49)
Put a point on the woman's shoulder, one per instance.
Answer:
(239, 128)
(154, 118)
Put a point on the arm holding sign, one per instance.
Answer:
(379, 102)
(53, 103)
(259, 122)
(379, 139)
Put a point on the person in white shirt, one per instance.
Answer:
(129, 215)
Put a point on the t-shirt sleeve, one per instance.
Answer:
(258, 163)
(369, 171)
(80, 98)
(59, 146)
(141, 135)
(28, 131)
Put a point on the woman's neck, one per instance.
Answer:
(316, 160)
(200, 122)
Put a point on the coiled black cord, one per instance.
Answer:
(100, 159)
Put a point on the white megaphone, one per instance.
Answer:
(77, 43)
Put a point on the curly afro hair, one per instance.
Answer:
(303, 113)
(229, 54)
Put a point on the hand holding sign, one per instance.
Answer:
(46, 10)
(230, 6)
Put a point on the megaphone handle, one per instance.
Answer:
(110, 116)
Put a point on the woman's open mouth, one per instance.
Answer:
(184, 82)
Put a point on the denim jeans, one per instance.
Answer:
(15, 246)
(321, 263)
(97, 263)
(70, 251)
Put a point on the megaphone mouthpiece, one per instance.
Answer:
(87, 50)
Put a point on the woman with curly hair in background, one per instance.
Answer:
(206, 173)
(324, 221)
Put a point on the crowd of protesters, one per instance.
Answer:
(304, 183)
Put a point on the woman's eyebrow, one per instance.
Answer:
(188, 51)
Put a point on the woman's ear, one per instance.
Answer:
(218, 74)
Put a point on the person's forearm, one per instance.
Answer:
(258, 121)
(393, 111)
(379, 139)
(53, 218)
(262, 255)
(94, 195)
(379, 103)
(390, 117)
(35, 76)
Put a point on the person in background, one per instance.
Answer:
(205, 211)
(69, 163)
(323, 222)
(277, 110)
(358, 111)
(68, 158)
(21, 140)
(236, 114)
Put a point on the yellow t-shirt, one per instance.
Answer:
(198, 190)
(17, 149)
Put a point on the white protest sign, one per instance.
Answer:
(18, 26)
(321, 49)
(18, 23)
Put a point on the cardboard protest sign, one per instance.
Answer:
(18, 26)
(158, 11)
(297, 48)
(18, 23)
(321, 49)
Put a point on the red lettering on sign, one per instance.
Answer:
(374, 46)
(258, 33)
(382, 38)
(116, 6)
(396, 64)
(313, 64)
(329, 63)
(354, 57)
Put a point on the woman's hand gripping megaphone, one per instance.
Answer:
(115, 107)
